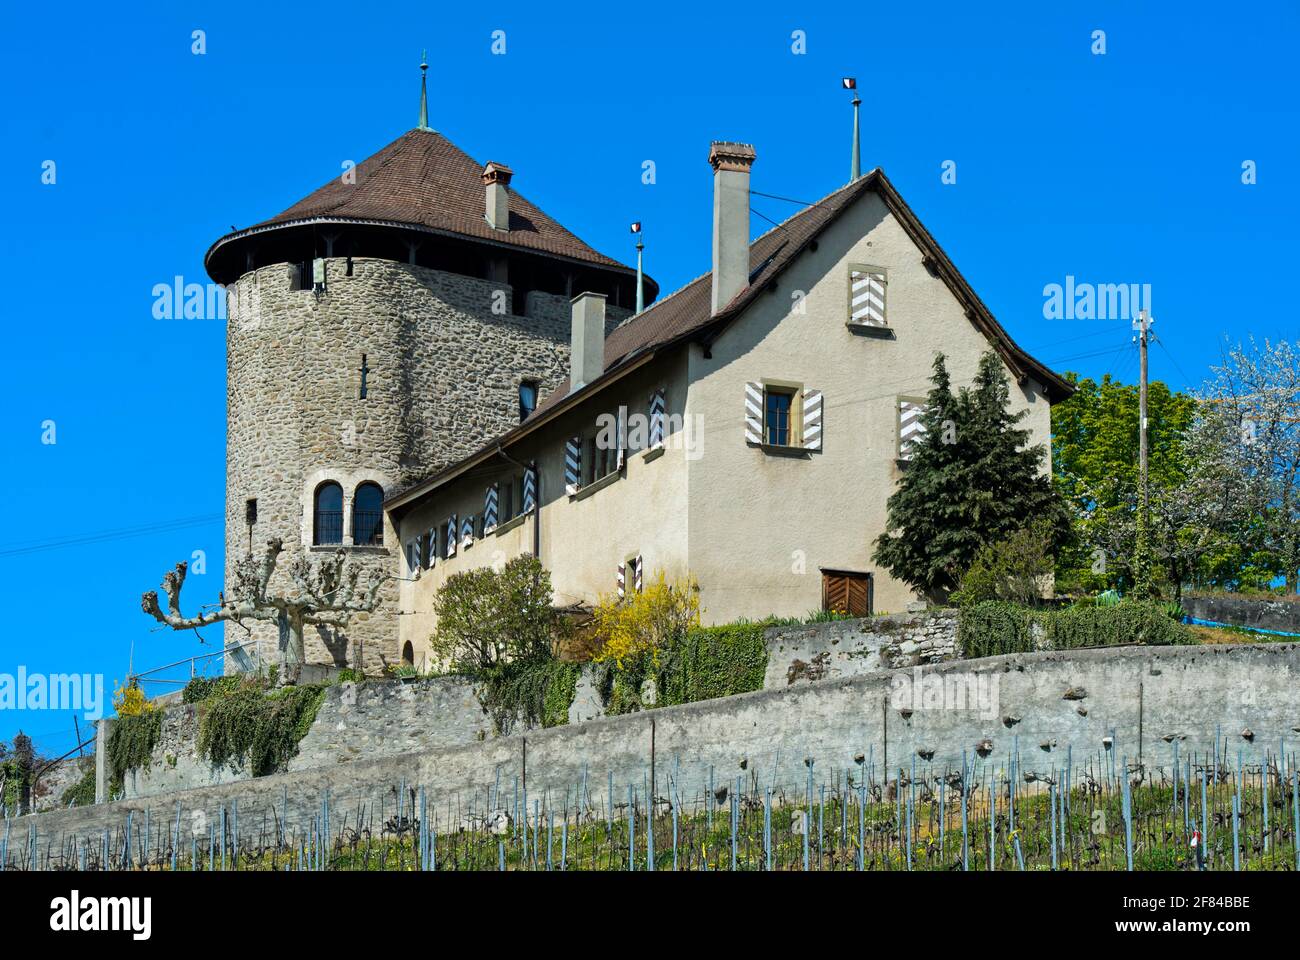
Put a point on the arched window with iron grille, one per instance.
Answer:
(368, 516)
(327, 514)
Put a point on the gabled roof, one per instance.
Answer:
(424, 180)
(685, 314)
(686, 311)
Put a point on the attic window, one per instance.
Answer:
(867, 295)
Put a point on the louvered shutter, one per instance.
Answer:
(431, 543)
(754, 413)
(858, 596)
(621, 439)
(657, 408)
(812, 419)
(490, 501)
(867, 297)
(451, 536)
(622, 580)
(530, 489)
(467, 531)
(911, 427)
(572, 465)
(419, 553)
(636, 564)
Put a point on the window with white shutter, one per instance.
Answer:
(467, 531)
(812, 420)
(530, 489)
(754, 413)
(431, 548)
(451, 536)
(490, 506)
(911, 425)
(572, 465)
(657, 412)
(621, 438)
(867, 296)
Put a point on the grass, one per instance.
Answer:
(1230, 634)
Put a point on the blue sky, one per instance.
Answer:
(1115, 168)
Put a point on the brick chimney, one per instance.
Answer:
(730, 163)
(496, 178)
(587, 342)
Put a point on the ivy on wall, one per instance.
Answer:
(261, 729)
(994, 628)
(81, 793)
(707, 662)
(532, 692)
(130, 745)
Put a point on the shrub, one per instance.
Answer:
(648, 622)
(130, 701)
(488, 617)
(994, 628)
(201, 688)
(16, 769)
(1012, 570)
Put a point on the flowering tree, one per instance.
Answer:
(1258, 389)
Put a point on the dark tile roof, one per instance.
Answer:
(685, 313)
(424, 179)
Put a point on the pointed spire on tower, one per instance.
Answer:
(424, 96)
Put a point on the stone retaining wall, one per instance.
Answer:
(1049, 706)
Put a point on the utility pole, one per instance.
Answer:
(1142, 548)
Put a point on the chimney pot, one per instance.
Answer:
(731, 163)
(496, 180)
(587, 343)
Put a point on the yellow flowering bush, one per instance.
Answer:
(130, 701)
(648, 621)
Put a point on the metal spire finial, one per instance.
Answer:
(424, 96)
(855, 168)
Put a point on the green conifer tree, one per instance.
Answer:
(973, 479)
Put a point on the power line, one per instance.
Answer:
(124, 533)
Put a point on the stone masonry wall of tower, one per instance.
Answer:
(443, 377)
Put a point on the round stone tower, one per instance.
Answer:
(389, 324)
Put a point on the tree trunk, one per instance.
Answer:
(292, 650)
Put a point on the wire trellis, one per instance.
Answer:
(1186, 812)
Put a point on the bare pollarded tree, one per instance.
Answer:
(325, 594)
